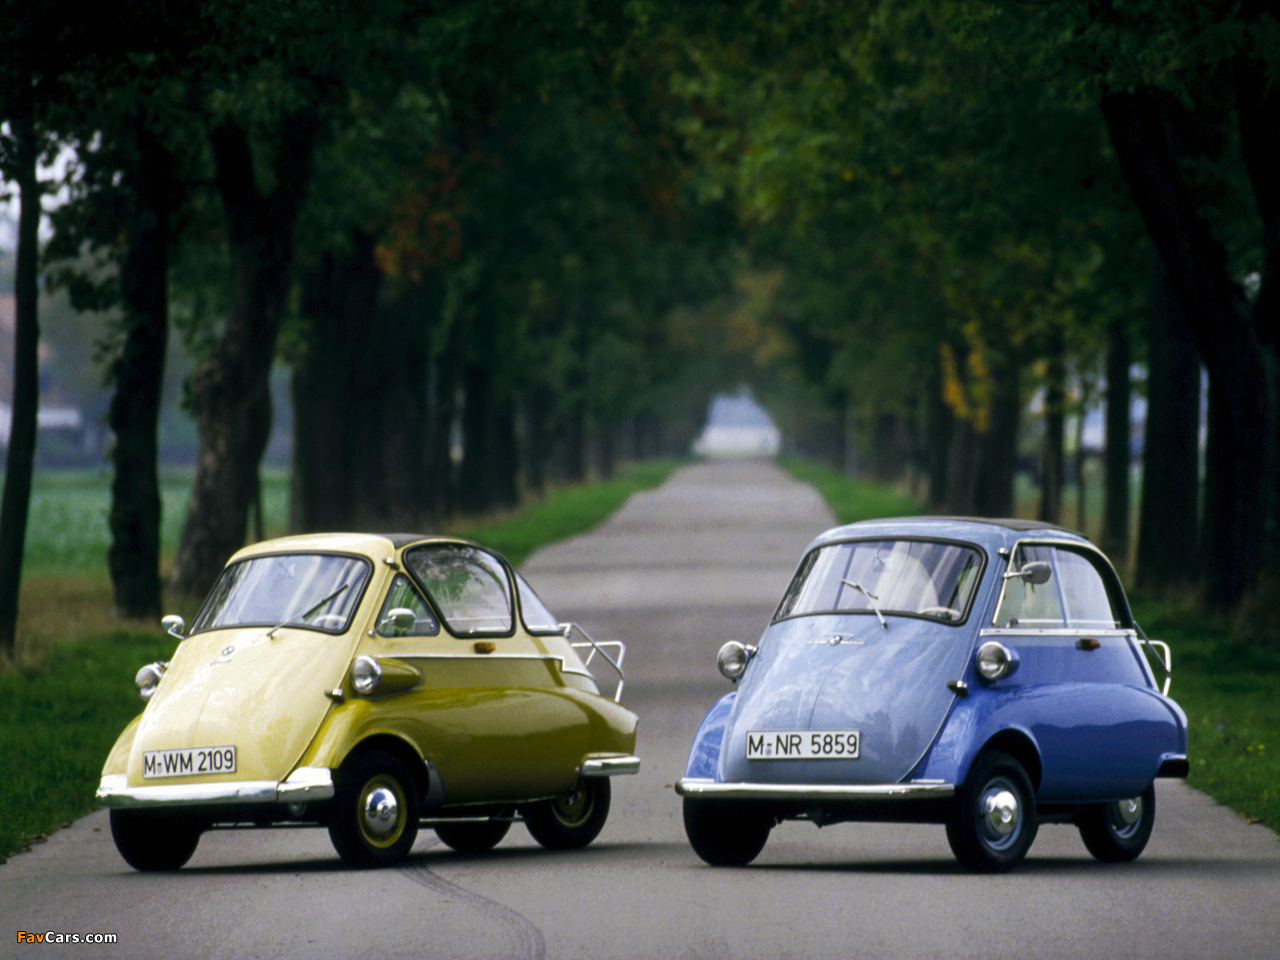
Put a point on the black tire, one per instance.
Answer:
(154, 841)
(1118, 832)
(573, 820)
(725, 834)
(993, 821)
(473, 836)
(374, 817)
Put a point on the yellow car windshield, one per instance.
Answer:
(313, 590)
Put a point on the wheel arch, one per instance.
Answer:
(401, 749)
(1019, 745)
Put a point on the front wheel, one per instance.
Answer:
(1117, 832)
(472, 836)
(993, 821)
(154, 841)
(725, 834)
(572, 820)
(374, 820)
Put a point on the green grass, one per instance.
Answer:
(61, 712)
(56, 726)
(1229, 690)
(1231, 694)
(67, 529)
(851, 499)
(565, 512)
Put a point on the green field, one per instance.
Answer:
(72, 690)
(1230, 690)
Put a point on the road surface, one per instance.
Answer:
(675, 573)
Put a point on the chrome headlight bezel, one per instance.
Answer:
(366, 675)
(148, 679)
(994, 660)
(733, 658)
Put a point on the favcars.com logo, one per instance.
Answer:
(52, 937)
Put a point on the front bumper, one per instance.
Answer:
(302, 786)
(813, 792)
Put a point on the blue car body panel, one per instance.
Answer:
(1082, 705)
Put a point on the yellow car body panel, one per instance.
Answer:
(506, 717)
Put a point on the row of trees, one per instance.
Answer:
(981, 201)
(440, 215)
(547, 229)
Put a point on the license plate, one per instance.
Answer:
(803, 744)
(188, 763)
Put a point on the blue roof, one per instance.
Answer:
(991, 534)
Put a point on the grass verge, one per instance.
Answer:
(851, 499)
(67, 699)
(1229, 690)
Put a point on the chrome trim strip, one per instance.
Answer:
(691, 787)
(1054, 632)
(611, 766)
(304, 784)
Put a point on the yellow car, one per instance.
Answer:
(370, 684)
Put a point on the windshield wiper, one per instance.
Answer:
(271, 634)
(870, 596)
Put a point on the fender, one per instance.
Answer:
(704, 756)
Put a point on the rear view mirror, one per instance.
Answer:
(1036, 572)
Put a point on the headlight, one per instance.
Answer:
(365, 675)
(148, 679)
(733, 659)
(995, 661)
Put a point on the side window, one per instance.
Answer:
(402, 596)
(1085, 593)
(467, 585)
(537, 618)
(1037, 606)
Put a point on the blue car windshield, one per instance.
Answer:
(923, 578)
(314, 590)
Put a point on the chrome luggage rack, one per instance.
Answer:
(1159, 651)
(598, 646)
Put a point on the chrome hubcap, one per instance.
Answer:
(1129, 811)
(999, 814)
(381, 811)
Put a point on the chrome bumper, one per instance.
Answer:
(303, 785)
(611, 766)
(712, 790)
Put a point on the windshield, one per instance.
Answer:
(918, 577)
(312, 590)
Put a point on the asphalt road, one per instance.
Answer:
(675, 573)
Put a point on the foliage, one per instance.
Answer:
(57, 724)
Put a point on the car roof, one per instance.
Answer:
(368, 544)
(992, 534)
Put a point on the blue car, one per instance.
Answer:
(983, 674)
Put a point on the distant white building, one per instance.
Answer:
(737, 426)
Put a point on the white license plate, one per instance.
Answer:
(803, 744)
(188, 763)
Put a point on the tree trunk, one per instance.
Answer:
(1115, 457)
(1168, 525)
(20, 458)
(1052, 456)
(231, 388)
(997, 455)
(1236, 483)
(133, 557)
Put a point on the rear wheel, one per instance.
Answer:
(725, 834)
(152, 841)
(573, 820)
(993, 821)
(374, 819)
(1118, 832)
(473, 836)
